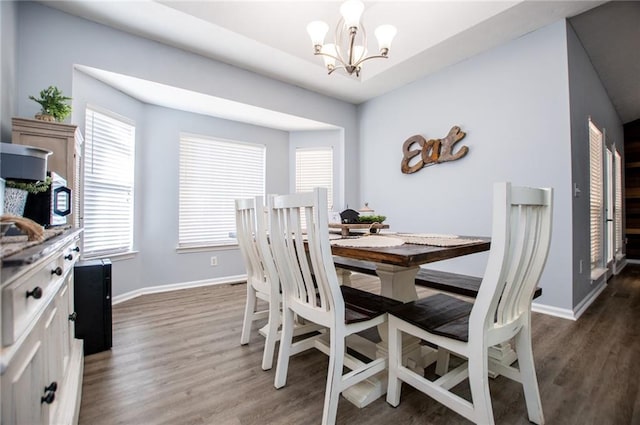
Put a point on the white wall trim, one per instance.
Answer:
(176, 286)
(563, 313)
(588, 300)
(620, 263)
(566, 313)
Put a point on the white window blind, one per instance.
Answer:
(314, 168)
(597, 194)
(109, 162)
(213, 173)
(618, 201)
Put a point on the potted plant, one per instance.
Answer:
(53, 103)
(16, 191)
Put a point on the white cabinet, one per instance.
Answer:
(23, 385)
(41, 364)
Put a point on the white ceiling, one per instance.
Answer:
(269, 37)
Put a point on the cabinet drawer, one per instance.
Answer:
(23, 299)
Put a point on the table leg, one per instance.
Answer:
(344, 276)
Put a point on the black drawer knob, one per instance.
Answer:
(57, 270)
(73, 316)
(52, 387)
(48, 398)
(76, 249)
(68, 257)
(35, 293)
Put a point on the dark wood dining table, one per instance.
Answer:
(397, 267)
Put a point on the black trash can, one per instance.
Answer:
(92, 302)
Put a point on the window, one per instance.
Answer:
(618, 202)
(213, 173)
(596, 195)
(609, 207)
(314, 168)
(108, 184)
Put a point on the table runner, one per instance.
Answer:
(435, 239)
(397, 239)
(372, 241)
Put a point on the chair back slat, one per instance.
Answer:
(522, 251)
(519, 247)
(303, 256)
(246, 231)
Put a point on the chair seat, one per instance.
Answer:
(362, 305)
(439, 314)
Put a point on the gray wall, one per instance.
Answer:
(160, 153)
(127, 272)
(512, 102)
(588, 98)
(8, 88)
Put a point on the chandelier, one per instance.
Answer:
(349, 49)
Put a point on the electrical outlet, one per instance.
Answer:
(214, 261)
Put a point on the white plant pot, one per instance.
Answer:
(14, 201)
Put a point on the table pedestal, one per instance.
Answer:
(398, 283)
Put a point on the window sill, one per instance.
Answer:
(597, 273)
(205, 248)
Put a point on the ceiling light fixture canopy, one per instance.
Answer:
(349, 47)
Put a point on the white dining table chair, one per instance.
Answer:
(262, 278)
(311, 291)
(502, 310)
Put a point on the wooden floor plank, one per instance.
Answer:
(177, 359)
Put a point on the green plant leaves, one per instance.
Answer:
(31, 187)
(53, 102)
(372, 218)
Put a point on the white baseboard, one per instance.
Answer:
(563, 313)
(620, 264)
(566, 313)
(588, 300)
(176, 286)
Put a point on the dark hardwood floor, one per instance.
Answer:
(177, 359)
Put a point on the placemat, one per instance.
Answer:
(434, 239)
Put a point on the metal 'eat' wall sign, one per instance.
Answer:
(432, 151)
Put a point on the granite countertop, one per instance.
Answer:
(10, 245)
(14, 264)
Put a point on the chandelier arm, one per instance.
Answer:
(370, 57)
(327, 54)
(331, 56)
(337, 67)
